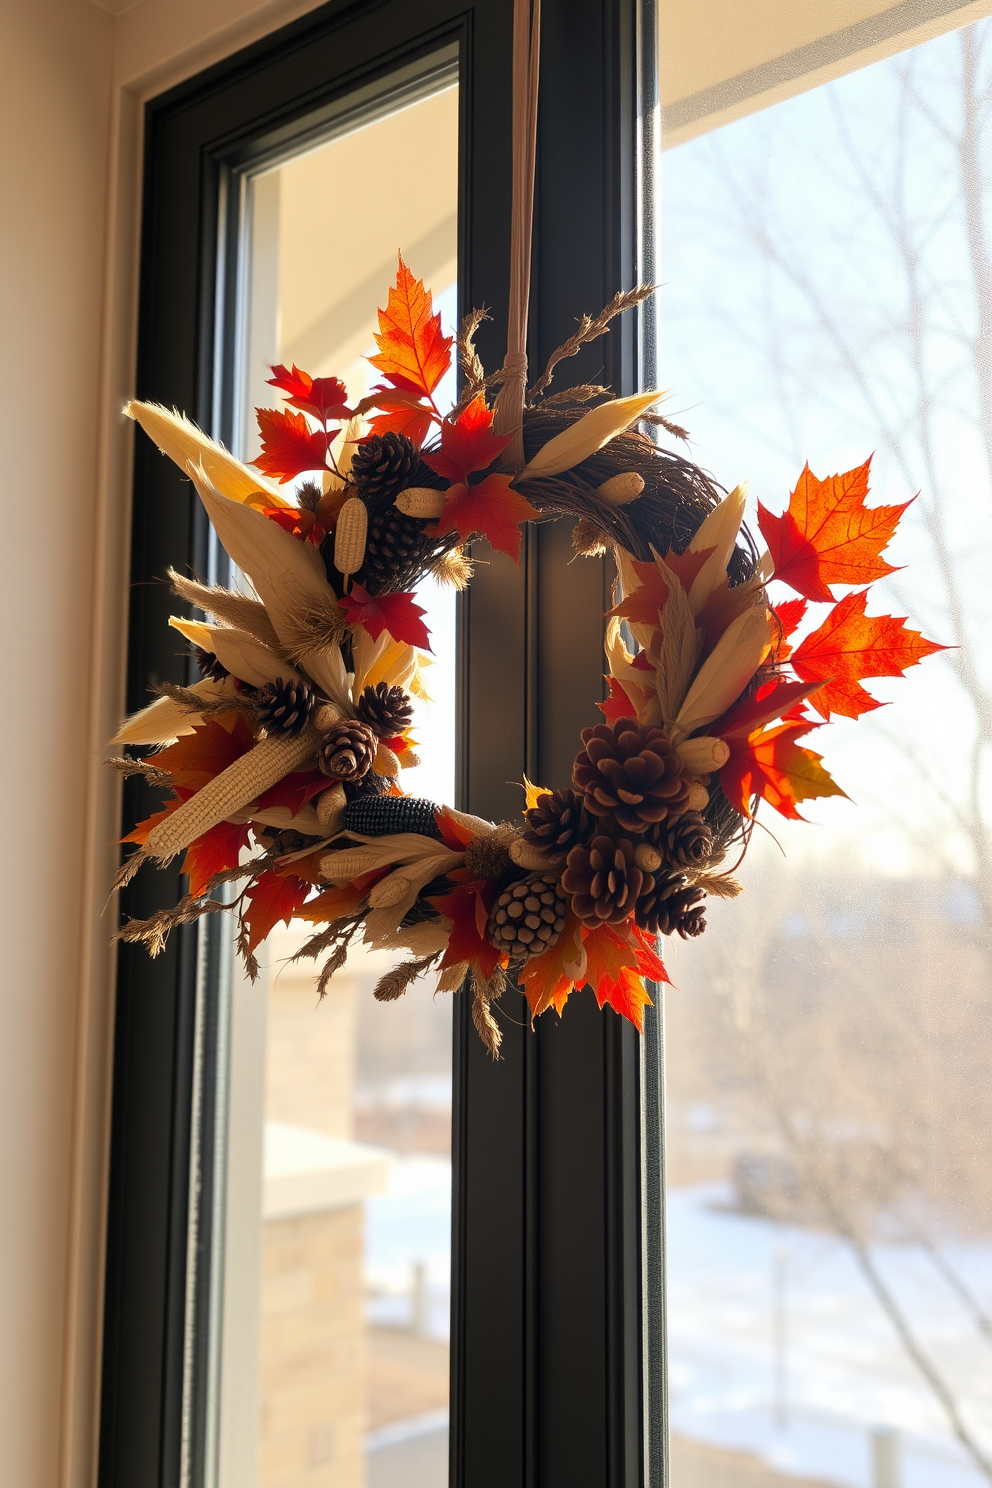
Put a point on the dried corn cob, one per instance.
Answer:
(349, 536)
(703, 755)
(243, 781)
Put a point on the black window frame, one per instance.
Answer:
(557, 1299)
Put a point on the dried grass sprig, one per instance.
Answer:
(589, 329)
(193, 702)
(468, 357)
(395, 982)
(486, 992)
(229, 607)
(580, 394)
(144, 768)
(154, 932)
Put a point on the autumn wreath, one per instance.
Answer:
(283, 764)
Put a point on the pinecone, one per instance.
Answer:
(528, 917)
(284, 707)
(686, 842)
(209, 665)
(397, 552)
(631, 774)
(375, 816)
(347, 750)
(557, 822)
(385, 709)
(604, 881)
(671, 905)
(382, 467)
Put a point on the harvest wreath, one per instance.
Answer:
(295, 739)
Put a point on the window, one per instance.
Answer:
(546, 1230)
(827, 295)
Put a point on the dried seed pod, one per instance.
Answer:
(422, 502)
(528, 917)
(349, 536)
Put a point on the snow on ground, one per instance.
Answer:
(839, 1372)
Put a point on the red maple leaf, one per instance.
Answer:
(273, 897)
(466, 941)
(828, 536)
(468, 444)
(769, 763)
(341, 900)
(323, 397)
(213, 745)
(214, 852)
(412, 350)
(395, 613)
(297, 522)
(289, 445)
(293, 790)
(850, 646)
(143, 830)
(412, 422)
(789, 615)
(618, 704)
(490, 508)
(773, 699)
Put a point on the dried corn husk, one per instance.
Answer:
(349, 536)
(452, 977)
(726, 671)
(282, 817)
(719, 531)
(621, 489)
(184, 443)
(243, 656)
(288, 575)
(680, 646)
(424, 939)
(228, 606)
(421, 501)
(166, 719)
(231, 791)
(588, 434)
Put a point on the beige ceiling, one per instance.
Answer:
(721, 59)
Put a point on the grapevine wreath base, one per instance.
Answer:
(284, 762)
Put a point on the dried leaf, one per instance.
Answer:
(394, 613)
(769, 763)
(412, 350)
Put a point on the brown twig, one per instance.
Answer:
(590, 328)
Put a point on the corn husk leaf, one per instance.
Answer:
(726, 671)
(243, 656)
(588, 434)
(180, 439)
(165, 718)
(719, 531)
(288, 575)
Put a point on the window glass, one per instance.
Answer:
(828, 296)
(335, 1367)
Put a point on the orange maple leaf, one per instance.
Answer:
(490, 508)
(644, 604)
(789, 615)
(197, 757)
(143, 830)
(402, 416)
(289, 445)
(850, 646)
(549, 979)
(214, 852)
(828, 536)
(620, 957)
(412, 351)
(341, 900)
(769, 763)
(271, 898)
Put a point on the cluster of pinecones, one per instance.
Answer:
(626, 809)
(397, 547)
(347, 750)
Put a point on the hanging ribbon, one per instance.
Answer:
(526, 66)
